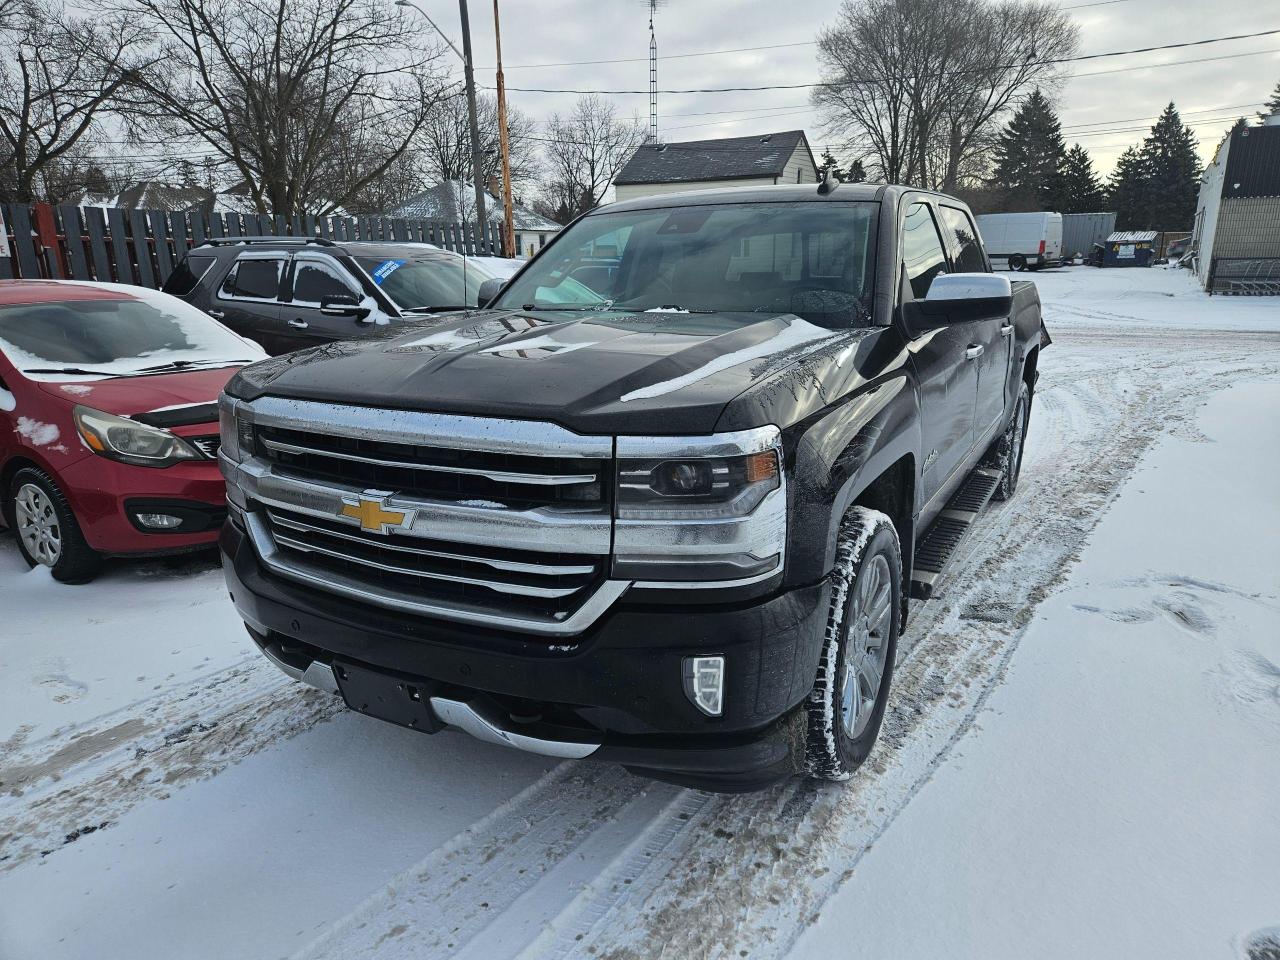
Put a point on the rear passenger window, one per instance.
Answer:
(922, 254)
(186, 275)
(962, 237)
(256, 279)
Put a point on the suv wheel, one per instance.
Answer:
(848, 700)
(46, 529)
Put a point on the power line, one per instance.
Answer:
(805, 86)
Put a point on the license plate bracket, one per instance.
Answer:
(404, 701)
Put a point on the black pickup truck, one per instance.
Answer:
(663, 502)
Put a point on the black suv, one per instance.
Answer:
(287, 294)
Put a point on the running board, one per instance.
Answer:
(948, 531)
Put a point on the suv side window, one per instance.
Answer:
(962, 238)
(922, 253)
(256, 278)
(314, 280)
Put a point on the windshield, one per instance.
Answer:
(109, 337)
(814, 260)
(419, 284)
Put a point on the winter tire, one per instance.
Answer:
(1018, 262)
(46, 528)
(1005, 454)
(848, 700)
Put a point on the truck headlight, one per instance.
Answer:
(128, 441)
(695, 488)
(236, 440)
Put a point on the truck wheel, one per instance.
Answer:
(1018, 262)
(848, 699)
(1005, 454)
(47, 531)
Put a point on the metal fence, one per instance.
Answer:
(41, 241)
(1245, 277)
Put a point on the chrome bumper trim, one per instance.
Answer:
(485, 726)
(483, 434)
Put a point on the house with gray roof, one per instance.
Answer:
(768, 158)
(454, 201)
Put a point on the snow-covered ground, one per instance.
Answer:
(1081, 757)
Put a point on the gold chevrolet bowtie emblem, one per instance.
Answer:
(370, 508)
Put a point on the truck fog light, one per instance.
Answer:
(159, 521)
(704, 683)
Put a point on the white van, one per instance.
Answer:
(1022, 241)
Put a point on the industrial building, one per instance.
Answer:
(1236, 245)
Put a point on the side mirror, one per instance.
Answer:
(343, 305)
(489, 291)
(959, 298)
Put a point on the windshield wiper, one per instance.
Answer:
(82, 371)
(186, 364)
(602, 305)
(441, 309)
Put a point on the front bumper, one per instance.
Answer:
(617, 686)
(105, 495)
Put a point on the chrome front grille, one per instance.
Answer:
(438, 472)
(552, 582)
(498, 523)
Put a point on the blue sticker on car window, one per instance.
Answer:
(385, 269)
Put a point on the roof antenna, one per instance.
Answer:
(826, 185)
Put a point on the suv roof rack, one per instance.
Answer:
(231, 241)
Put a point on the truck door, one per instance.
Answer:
(948, 382)
(995, 337)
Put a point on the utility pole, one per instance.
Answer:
(470, 75)
(508, 210)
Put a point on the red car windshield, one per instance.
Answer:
(111, 337)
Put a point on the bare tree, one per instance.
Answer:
(920, 85)
(585, 150)
(309, 102)
(57, 75)
(445, 142)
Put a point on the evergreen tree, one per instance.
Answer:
(1127, 191)
(1031, 157)
(1171, 166)
(854, 173)
(1272, 106)
(1081, 189)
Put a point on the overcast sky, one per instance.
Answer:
(1106, 112)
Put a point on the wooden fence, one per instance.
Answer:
(142, 246)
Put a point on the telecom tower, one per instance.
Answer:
(653, 71)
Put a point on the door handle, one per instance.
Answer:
(974, 352)
(298, 323)
(1006, 329)
(216, 314)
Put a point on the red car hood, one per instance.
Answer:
(129, 396)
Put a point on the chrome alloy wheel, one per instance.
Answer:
(38, 524)
(866, 645)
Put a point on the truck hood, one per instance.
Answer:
(655, 372)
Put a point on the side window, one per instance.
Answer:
(253, 278)
(962, 238)
(922, 253)
(313, 281)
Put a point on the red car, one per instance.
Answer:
(109, 422)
